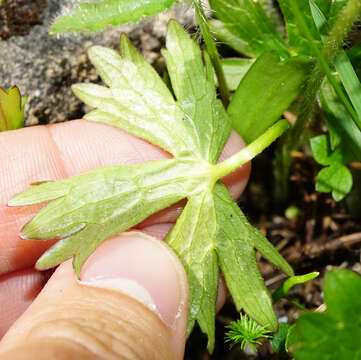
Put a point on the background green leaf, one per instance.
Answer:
(335, 335)
(296, 37)
(290, 283)
(234, 71)
(93, 16)
(11, 109)
(340, 122)
(246, 20)
(335, 178)
(278, 340)
(265, 92)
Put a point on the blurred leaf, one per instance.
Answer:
(265, 92)
(291, 338)
(247, 20)
(278, 340)
(335, 178)
(296, 37)
(349, 80)
(11, 109)
(290, 283)
(342, 63)
(334, 335)
(353, 198)
(221, 32)
(354, 55)
(274, 15)
(321, 151)
(340, 123)
(335, 9)
(234, 70)
(292, 212)
(94, 16)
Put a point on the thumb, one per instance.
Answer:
(130, 303)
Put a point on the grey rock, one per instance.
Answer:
(44, 66)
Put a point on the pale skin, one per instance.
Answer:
(59, 151)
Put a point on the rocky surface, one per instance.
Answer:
(45, 66)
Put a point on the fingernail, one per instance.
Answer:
(142, 267)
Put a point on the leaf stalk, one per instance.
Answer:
(250, 151)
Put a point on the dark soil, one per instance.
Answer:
(18, 16)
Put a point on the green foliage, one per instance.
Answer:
(265, 92)
(334, 335)
(296, 36)
(212, 231)
(246, 20)
(278, 340)
(336, 177)
(292, 212)
(290, 283)
(234, 70)
(94, 16)
(245, 331)
(11, 109)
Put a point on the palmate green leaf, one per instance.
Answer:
(96, 15)
(194, 87)
(87, 209)
(265, 92)
(193, 239)
(247, 20)
(121, 197)
(137, 100)
(235, 245)
(334, 335)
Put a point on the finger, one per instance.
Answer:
(58, 151)
(19, 289)
(131, 303)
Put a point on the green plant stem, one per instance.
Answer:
(326, 56)
(328, 52)
(212, 51)
(250, 151)
(296, 303)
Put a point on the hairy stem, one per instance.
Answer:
(252, 150)
(325, 57)
(212, 51)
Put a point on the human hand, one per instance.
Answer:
(103, 315)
